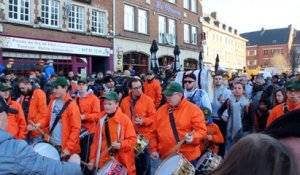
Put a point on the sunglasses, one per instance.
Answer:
(187, 81)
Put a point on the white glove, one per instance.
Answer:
(116, 145)
(188, 138)
(75, 158)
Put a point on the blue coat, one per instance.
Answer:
(16, 157)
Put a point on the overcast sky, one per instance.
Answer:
(252, 15)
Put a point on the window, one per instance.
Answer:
(172, 31)
(265, 52)
(50, 12)
(186, 36)
(161, 28)
(98, 22)
(194, 35)
(194, 6)
(143, 21)
(186, 4)
(172, 1)
(129, 18)
(76, 18)
(251, 53)
(19, 10)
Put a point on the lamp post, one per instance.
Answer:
(176, 62)
(154, 61)
(217, 64)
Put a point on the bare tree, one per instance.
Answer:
(294, 59)
(280, 62)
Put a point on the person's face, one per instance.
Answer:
(262, 106)
(174, 99)
(292, 144)
(3, 120)
(293, 95)
(149, 76)
(60, 92)
(238, 90)
(110, 106)
(53, 79)
(110, 84)
(218, 80)
(279, 97)
(70, 74)
(4, 94)
(25, 88)
(136, 89)
(189, 83)
(82, 87)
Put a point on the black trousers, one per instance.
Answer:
(142, 163)
(223, 127)
(85, 145)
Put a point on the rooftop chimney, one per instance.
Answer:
(214, 15)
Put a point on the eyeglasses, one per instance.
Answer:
(137, 88)
(187, 81)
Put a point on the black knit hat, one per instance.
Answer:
(285, 126)
(191, 75)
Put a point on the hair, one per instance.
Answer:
(129, 84)
(257, 154)
(24, 80)
(283, 91)
(240, 84)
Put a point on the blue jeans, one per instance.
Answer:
(143, 163)
(33, 140)
(154, 165)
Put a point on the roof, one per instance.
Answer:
(267, 37)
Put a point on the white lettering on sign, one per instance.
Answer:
(50, 46)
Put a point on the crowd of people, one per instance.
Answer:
(136, 123)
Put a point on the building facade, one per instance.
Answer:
(73, 33)
(169, 22)
(267, 47)
(220, 39)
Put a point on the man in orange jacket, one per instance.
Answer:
(34, 103)
(141, 110)
(89, 106)
(152, 88)
(173, 123)
(214, 136)
(65, 122)
(115, 134)
(16, 122)
(292, 102)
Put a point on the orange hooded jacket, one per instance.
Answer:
(38, 111)
(145, 109)
(153, 89)
(187, 117)
(217, 138)
(278, 111)
(16, 122)
(71, 126)
(89, 106)
(125, 154)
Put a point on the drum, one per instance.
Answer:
(175, 164)
(205, 80)
(47, 150)
(141, 144)
(83, 132)
(112, 167)
(208, 162)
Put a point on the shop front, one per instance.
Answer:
(23, 55)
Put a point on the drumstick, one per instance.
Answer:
(83, 163)
(178, 145)
(39, 129)
(108, 149)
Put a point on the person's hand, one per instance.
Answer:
(116, 145)
(91, 166)
(65, 153)
(155, 156)
(31, 127)
(75, 158)
(209, 137)
(188, 138)
(224, 118)
(138, 121)
(82, 117)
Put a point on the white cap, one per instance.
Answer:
(266, 74)
(49, 61)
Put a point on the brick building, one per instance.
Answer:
(265, 45)
(75, 34)
(169, 22)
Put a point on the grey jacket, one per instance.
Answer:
(16, 157)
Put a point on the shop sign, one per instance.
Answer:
(167, 8)
(49, 46)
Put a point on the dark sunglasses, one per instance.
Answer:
(186, 81)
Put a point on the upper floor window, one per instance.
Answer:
(172, 31)
(186, 4)
(98, 22)
(172, 1)
(190, 5)
(194, 35)
(194, 5)
(19, 10)
(143, 21)
(50, 12)
(76, 18)
(162, 28)
(186, 37)
(129, 18)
